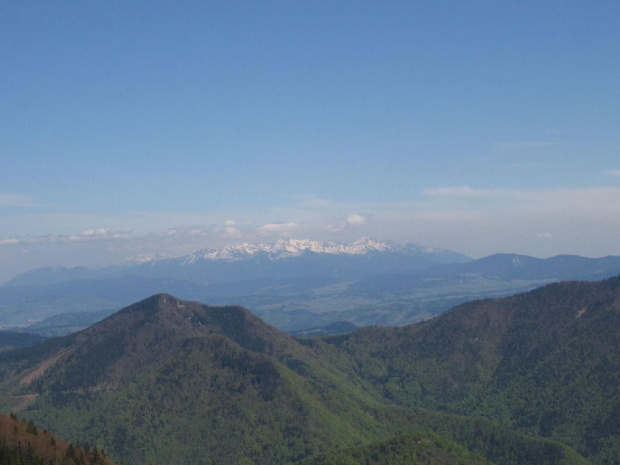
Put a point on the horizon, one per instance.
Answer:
(154, 129)
(148, 258)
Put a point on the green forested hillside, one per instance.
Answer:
(22, 443)
(167, 381)
(546, 363)
(170, 381)
(10, 340)
(412, 449)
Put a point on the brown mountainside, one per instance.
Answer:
(23, 441)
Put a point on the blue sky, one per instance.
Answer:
(131, 128)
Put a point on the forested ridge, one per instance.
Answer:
(525, 379)
(22, 443)
(546, 363)
(418, 448)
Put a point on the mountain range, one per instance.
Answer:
(279, 260)
(293, 284)
(283, 249)
(532, 378)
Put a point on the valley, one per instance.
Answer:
(531, 378)
(309, 233)
(292, 284)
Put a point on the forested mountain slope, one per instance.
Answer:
(22, 443)
(419, 448)
(166, 381)
(10, 339)
(546, 362)
(172, 381)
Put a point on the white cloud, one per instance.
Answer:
(614, 173)
(449, 216)
(232, 233)
(195, 232)
(356, 220)
(88, 235)
(278, 228)
(338, 225)
(455, 191)
(470, 220)
(9, 241)
(97, 235)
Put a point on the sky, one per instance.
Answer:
(157, 128)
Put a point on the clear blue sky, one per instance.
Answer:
(132, 128)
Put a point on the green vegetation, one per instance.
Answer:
(418, 449)
(22, 443)
(67, 323)
(546, 363)
(11, 340)
(513, 381)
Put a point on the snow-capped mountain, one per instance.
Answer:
(285, 260)
(289, 248)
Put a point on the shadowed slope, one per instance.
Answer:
(212, 381)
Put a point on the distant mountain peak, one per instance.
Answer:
(288, 248)
(139, 259)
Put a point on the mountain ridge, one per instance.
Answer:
(280, 251)
(289, 248)
(167, 380)
(545, 362)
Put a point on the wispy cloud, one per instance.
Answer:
(356, 220)
(614, 173)
(525, 145)
(457, 191)
(15, 200)
(578, 205)
(98, 235)
(471, 220)
(524, 194)
(350, 223)
(335, 228)
(198, 236)
(279, 228)
(89, 235)
(232, 233)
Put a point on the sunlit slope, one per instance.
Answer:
(546, 362)
(172, 381)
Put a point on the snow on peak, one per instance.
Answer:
(286, 248)
(147, 258)
(366, 244)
